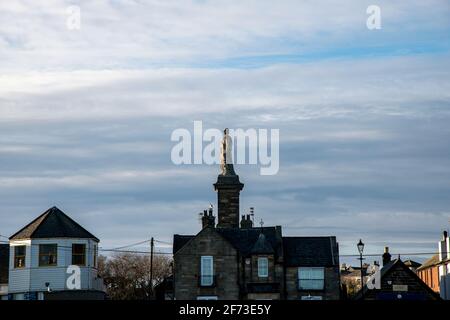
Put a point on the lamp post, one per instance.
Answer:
(360, 246)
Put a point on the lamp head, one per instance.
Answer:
(360, 246)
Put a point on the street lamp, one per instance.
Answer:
(360, 246)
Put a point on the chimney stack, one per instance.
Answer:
(208, 220)
(386, 256)
(246, 222)
(444, 247)
(228, 188)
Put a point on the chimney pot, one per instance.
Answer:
(386, 256)
(444, 247)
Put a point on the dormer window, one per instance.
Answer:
(19, 256)
(263, 267)
(48, 255)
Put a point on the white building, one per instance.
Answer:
(444, 266)
(53, 257)
(4, 265)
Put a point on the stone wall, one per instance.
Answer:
(331, 284)
(187, 267)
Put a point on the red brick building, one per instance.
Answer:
(429, 272)
(435, 272)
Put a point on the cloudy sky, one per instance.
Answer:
(86, 115)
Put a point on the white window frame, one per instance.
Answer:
(263, 267)
(207, 298)
(313, 278)
(206, 274)
(95, 257)
(311, 298)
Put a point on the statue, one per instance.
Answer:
(226, 160)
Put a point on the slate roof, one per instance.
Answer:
(411, 263)
(388, 267)
(244, 240)
(297, 251)
(430, 262)
(179, 241)
(53, 223)
(4, 263)
(262, 246)
(310, 251)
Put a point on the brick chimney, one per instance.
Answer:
(386, 256)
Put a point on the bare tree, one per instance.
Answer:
(127, 275)
(352, 286)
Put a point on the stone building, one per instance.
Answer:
(235, 260)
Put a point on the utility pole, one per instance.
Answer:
(152, 245)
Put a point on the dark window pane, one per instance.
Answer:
(78, 254)
(48, 254)
(20, 250)
(19, 256)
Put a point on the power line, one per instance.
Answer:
(164, 242)
(133, 244)
(120, 250)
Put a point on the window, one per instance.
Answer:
(207, 298)
(431, 277)
(48, 255)
(310, 278)
(207, 274)
(95, 256)
(19, 256)
(79, 254)
(311, 298)
(263, 267)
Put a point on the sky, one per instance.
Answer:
(86, 116)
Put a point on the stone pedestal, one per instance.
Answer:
(228, 188)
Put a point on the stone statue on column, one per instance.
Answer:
(226, 151)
